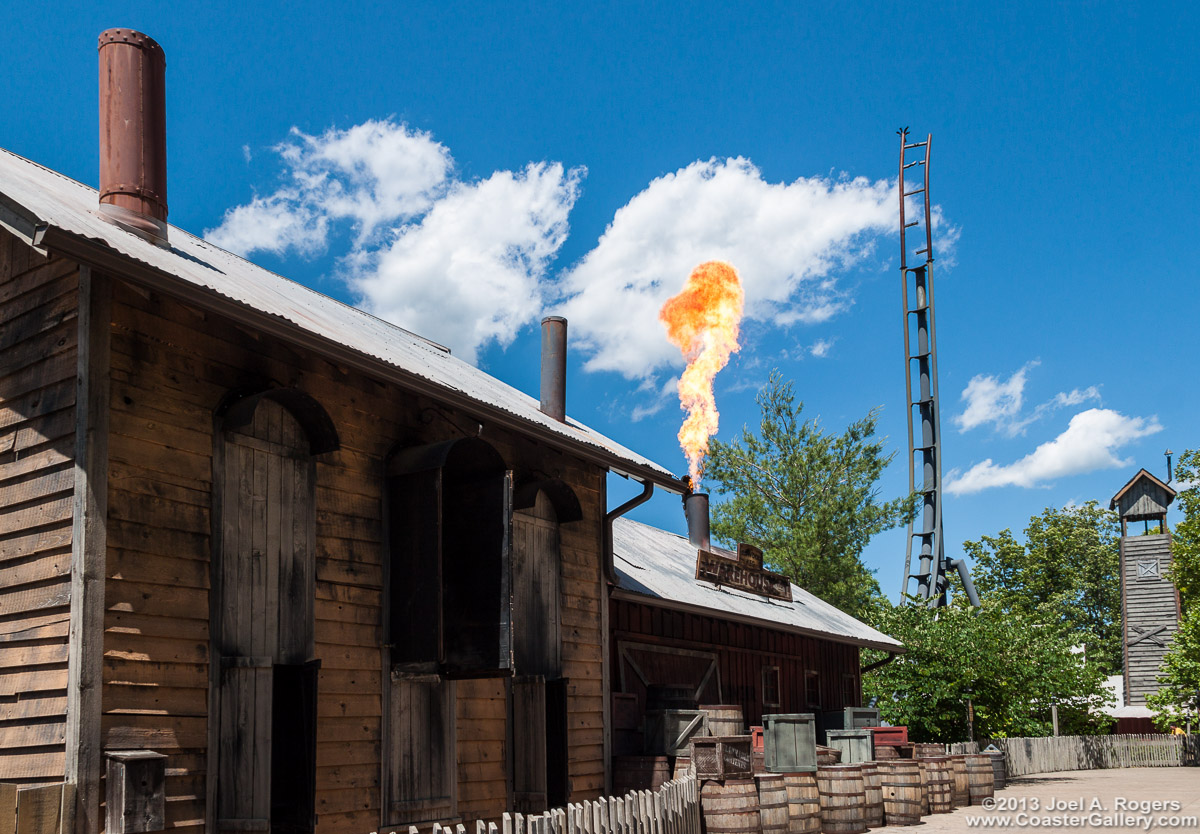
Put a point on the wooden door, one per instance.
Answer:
(537, 647)
(264, 594)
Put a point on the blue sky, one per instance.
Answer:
(466, 168)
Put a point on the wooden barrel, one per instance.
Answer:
(922, 749)
(639, 773)
(900, 783)
(980, 779)
(842, 799)
(999, 769)
(939, 784)
(873, 790)
(958, 771)
(828, 755)
(683, 766)
(886, 752)
(724, 719)
(772, 803)
(730, 807)
(804, 803)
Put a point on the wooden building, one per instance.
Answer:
(1149, 600)
(729, 643)
(339, 577)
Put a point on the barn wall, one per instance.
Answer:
(38, 338)
(171, 368)
(742, 651)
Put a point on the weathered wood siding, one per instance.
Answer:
(38, 339)
(1151, 612)
(172, 366)
(741, 651)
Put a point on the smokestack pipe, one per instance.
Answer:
(554, 368)
(133, 133)
(695, 507)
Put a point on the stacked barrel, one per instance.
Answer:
(776, 779)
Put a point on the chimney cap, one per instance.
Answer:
(132, 37)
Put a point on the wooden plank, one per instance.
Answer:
(44, 734)
(39, 513)
(28, 766)
(48, 594)
(39, 809)
(14, 285)
(27, 544)
(54, 565)
(40, 705)
(89, 544)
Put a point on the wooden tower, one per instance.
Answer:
(1149, 601)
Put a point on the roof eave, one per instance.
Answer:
(100, 256)
(690, 608)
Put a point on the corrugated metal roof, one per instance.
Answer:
(52, 200)
(659, 564)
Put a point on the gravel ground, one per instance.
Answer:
(1087, 800)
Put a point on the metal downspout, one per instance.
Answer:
(647, 490)
(880, 663)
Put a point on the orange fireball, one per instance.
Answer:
(702, 321)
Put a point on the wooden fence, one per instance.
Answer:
(671, 808)
(1053, 754)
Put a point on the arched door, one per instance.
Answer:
(265, 683)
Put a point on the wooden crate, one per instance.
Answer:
(668, 731)
(790, 743)
(855, 745)
(848, 718)
(888, 735)
(721, 757)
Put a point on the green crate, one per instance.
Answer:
(847, 718)
(856, 745)
(790, 743)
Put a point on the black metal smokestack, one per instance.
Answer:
(554, 367)
(695, 507)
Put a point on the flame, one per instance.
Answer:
(702, 321)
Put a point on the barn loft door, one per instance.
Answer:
(538, 693)
(266, 689)
(537, 646)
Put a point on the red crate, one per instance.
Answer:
(889, 735)
(756, 737)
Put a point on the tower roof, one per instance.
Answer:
(1143, 497)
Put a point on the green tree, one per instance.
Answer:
(1067, 570)
(1178, 697)
(808, 499)
(1013, 668)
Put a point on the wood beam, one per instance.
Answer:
(89, 539)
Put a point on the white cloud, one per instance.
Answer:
(786, 240)
(991, 401)
(459, 262)
(1090, 442)
(1076, 396)
(820, 348)
(469, 272)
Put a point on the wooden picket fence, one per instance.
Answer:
(672, 808)
(1058, 753)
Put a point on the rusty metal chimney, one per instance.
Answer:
(133, 133)
(695, 507)
(554, 367)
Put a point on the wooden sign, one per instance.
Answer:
(744, 573)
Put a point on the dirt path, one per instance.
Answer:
(1087, 800)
